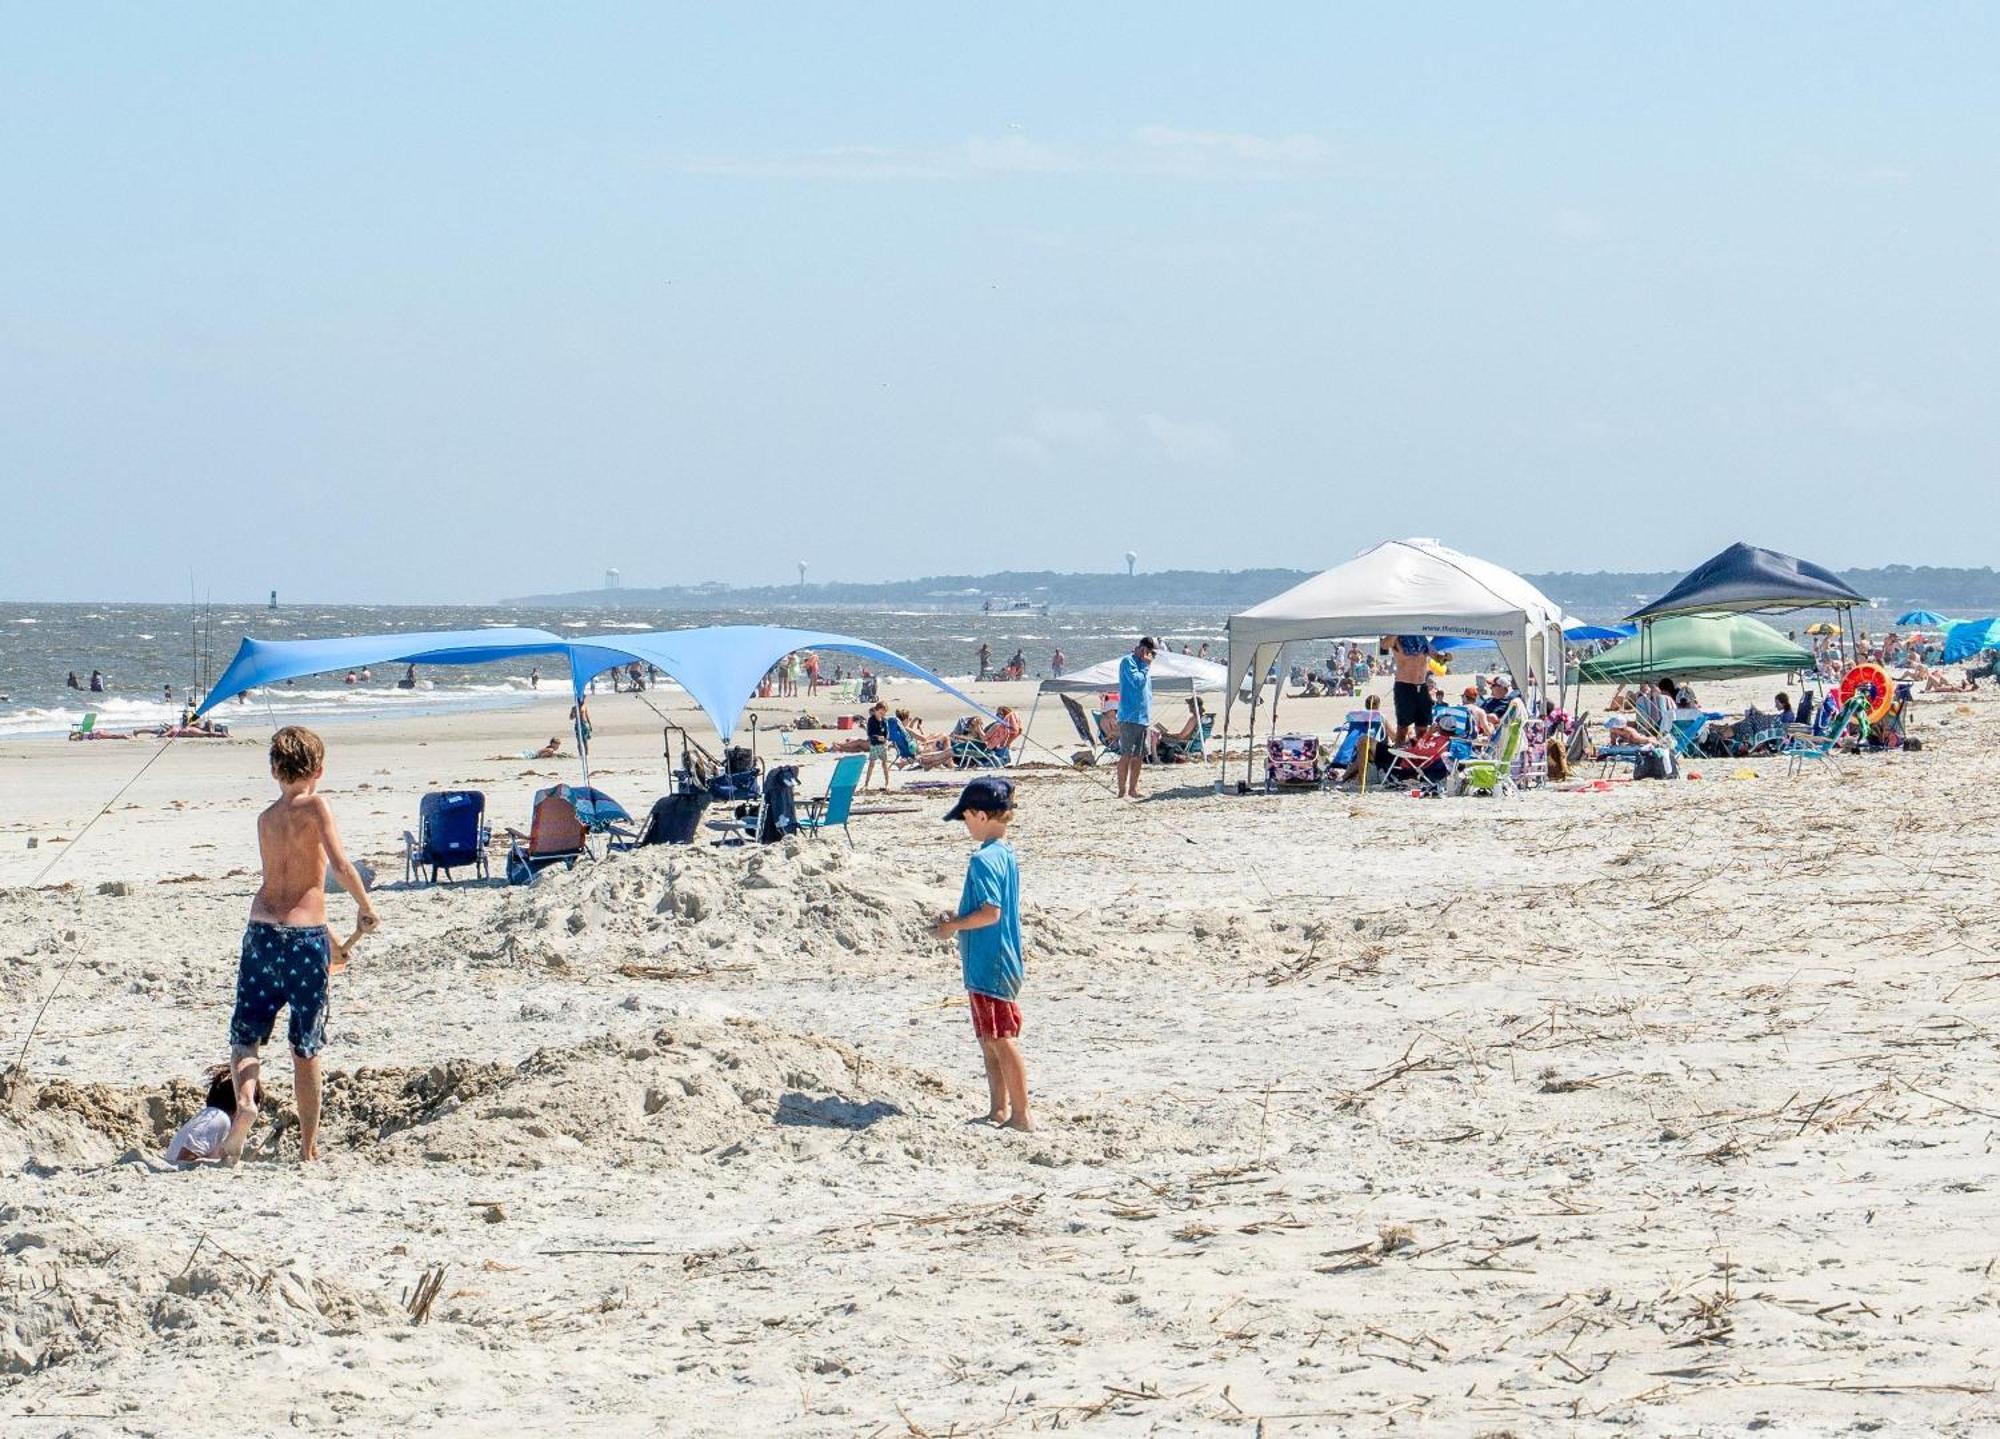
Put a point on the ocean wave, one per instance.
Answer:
(118, 713)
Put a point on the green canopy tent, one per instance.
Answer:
(1698, 647)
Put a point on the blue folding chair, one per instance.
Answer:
(451, 833)
(834, 807)
(1361, 724)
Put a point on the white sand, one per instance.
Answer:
(1670, 1108)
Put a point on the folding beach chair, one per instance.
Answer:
(555, 836)
(1820, 748)
(904, 748)
(1424, 762)
(1291, 761)
(1361, 724)
(833, 807)
(982, 754)
(1092, 751)
(451, 833)
(1195, 746)
(1493, 771)
(87, 728)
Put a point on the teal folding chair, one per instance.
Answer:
(834, 807)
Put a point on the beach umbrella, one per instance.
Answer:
(594, 808)
(1923, 619)
(1970, 637)
(1822, 627)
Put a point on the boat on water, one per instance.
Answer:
(1009, 605)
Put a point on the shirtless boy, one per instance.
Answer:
(286, 949)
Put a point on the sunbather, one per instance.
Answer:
(937, 753)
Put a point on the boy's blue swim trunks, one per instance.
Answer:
(282, 965)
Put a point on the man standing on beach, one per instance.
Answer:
(1413, 672)
(1135, 714)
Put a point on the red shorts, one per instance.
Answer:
(994, 1018)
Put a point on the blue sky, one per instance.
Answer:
(445, 302)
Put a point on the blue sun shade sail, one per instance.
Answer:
(1600, 632)
(1970, 637)
(1923, 619)
(721, 666)
(266, 662)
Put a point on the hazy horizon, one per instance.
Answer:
(392, 305)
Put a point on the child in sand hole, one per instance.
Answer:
(199, 1141)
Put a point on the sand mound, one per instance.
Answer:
(696, 1091)
(72, 1293)
(805, 901)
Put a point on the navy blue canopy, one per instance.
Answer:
(265, 662)
(1744, 579)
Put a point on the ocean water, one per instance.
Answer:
(147, 651)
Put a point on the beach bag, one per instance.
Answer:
(1652, 762)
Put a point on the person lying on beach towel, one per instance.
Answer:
(199, 1141)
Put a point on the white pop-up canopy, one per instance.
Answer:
(1406, 587)
(1171, 674)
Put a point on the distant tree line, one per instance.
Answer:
(1963, 592)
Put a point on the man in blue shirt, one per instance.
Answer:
(1135, 714)
(988, 929)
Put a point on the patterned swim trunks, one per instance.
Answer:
(282, 966)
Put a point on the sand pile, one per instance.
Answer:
(72, 1293)
(801, 900)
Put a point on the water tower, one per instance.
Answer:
(802, 574)
(1131, 563)
(611, 579)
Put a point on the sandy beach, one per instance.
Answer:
(1658, 1109)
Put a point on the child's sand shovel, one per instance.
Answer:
(342, 948)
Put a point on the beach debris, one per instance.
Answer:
(418, 1300)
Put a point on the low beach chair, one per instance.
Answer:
(1346, 758)
(834, 807)
(1292, 761)
(902, 744)
(1424, 762)
(1092, 751)
(1491, 772)
(555, 836)
(86, 728)
(1172, 751)
(1820, 748)
(451, 833)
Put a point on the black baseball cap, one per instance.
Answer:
(988, 796)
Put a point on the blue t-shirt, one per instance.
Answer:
(991, 957)
(1135, 691)
(1413, 644)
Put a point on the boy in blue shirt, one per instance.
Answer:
(988, 928)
